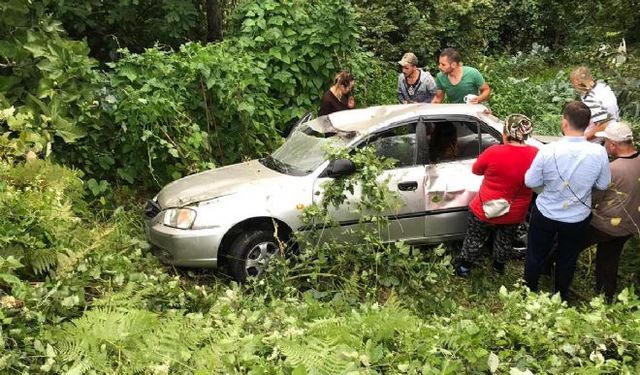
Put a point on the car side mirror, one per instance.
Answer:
(340, 168)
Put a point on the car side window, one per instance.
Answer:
(398, 143)
(488, 138)
(452, 140)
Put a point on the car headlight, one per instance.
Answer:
(181, 218)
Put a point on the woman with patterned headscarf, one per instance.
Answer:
(502, 200)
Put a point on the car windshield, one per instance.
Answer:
(305, 149)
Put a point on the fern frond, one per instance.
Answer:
(79, 368)
(208, 360)
(106, 339)
(316, 355)
(385, 323)
(129, 340)
(41, 260)
(338, 329)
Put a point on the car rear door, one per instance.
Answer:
(449, 183)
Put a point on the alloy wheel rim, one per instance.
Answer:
(259, 256)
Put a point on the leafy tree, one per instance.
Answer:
(132, 24)
(45, 80)
(490, 26)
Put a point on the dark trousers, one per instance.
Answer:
(477, 233)
(542, 233)
(608, 253)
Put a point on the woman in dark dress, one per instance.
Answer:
(338, 97)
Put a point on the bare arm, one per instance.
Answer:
(591, 133)
(485, 93)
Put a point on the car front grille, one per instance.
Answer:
(151, 209)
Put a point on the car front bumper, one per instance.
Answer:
(185, 248)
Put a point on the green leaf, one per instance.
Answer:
(246, 107)
(493, 362)
(276, 52)
(68, 132)
(299, 370)
(128, 72)
(317, 82)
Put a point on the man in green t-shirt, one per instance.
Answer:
(459, 81)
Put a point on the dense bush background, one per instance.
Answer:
(150, 113)
(103, 102)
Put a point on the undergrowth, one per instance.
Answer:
(102, 303)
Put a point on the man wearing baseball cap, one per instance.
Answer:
(616, 217)
(415, 85)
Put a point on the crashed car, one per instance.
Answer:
(238, 215)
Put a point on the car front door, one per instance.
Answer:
(406, 180)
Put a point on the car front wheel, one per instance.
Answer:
(250, 254)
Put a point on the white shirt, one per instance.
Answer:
(567, 170)
(603, 105)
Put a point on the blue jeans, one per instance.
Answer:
(542, 234)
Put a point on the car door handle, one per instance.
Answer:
(408, 186)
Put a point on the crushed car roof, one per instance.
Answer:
(369, 119)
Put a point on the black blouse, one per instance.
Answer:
(331, 104)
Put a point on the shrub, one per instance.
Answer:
(40, 202)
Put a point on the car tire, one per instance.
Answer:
(250, 254)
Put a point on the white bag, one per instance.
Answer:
(496, 208)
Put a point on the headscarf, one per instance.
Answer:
(518, 127)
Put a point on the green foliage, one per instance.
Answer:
(165, 115)
(135, 25)
(8, 266)
(83, 295)
(299, 45)
(528, 84)
(426, 27)
(45, 81)
(39, 218)
(370, 308)
(490, 26)
(160, 115)
(129, 341)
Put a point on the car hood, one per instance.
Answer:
(215, 183)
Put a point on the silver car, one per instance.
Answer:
(237, 216)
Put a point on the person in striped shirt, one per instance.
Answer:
(600, 99)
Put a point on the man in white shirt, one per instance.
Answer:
(567, 171)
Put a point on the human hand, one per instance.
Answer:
(471, 99)
(351, 102)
